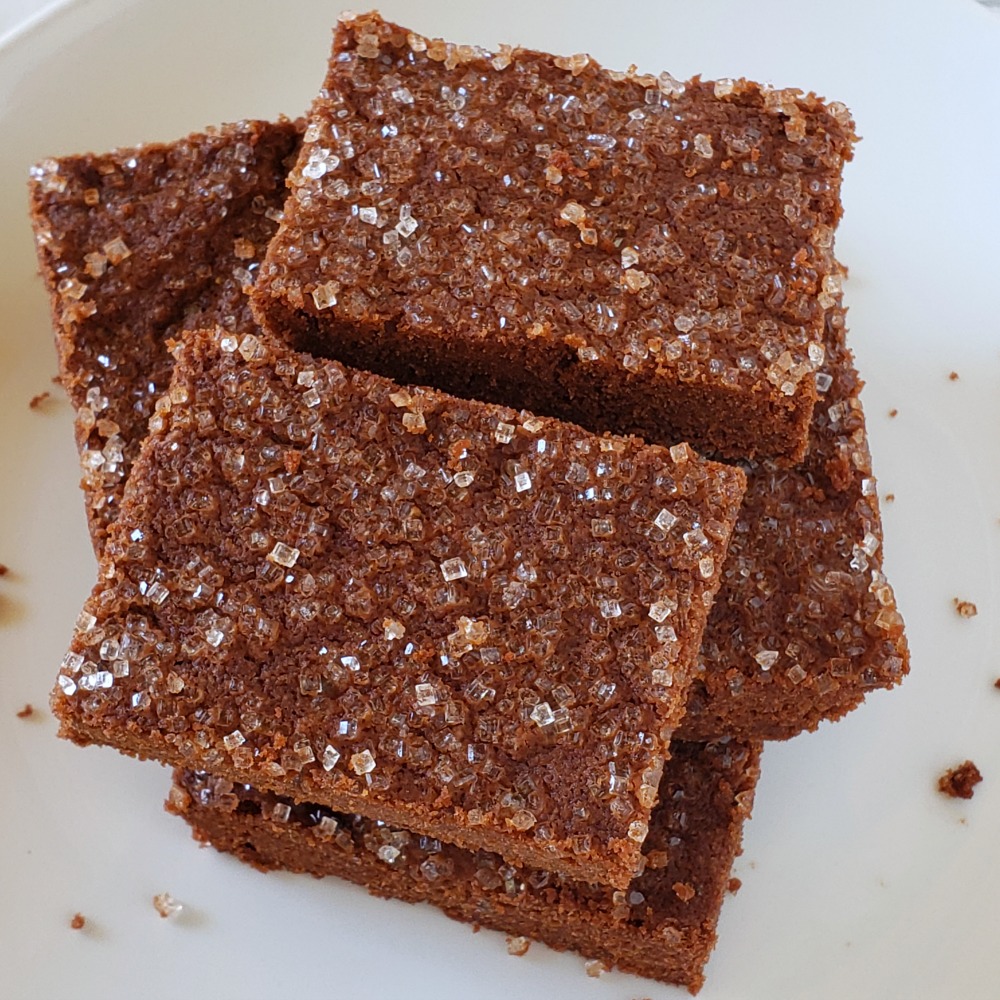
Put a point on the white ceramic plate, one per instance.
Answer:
(860, 880)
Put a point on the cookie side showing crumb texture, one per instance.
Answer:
(448, 615)
(134, 246)
(626, 251)
(706, 793)
(805, 623)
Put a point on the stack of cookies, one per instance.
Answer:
(478, 476)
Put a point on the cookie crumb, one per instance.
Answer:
(4, 570)
(36, 401)
(26, 712)
(960, 781)
(894, 412)
(78, 922)
(953, 376)
(996, 683)
(595, 967)
(734, 886)
(966, 608)
(518, 946)
(166, 905)
(684, 892)
(890, 497)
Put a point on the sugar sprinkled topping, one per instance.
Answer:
(166, 905)
(325, 295)
(283, 555)
(767, 658)
(454, 569)
(504, 433)
(471, 651)
(362, 763)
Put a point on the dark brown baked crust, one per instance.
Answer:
(805, 623)
(623, 250)
(469, 621)
(134, 246)
(663, 926)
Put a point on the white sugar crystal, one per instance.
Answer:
(283, 555)
(166, 905)
(351, 662)
(703, 145)
(414, 423)
(330, 757)
(609, 609)
(767, 658)
(695, 538)
(407, 227)
(327, 826)
(869, 544)
(67, 685)
(464, 479)
(425, 694)
(250, 347)
(453, 569)
(393, 629)
(85, 621)
(325, 295)
(542, 714)
(573, 212)
(636, 281)
(637, 830)
(368, 215)
(281, 812)
(101, 679)
(363, 763)
(660, 611)
(504, 433)
(215, 637)
(388, 853)
(630, 257)
(234, 739)
(319, 162)
(706, 567)
(116, 251)
(72, 662)
(70, 288)
(522, 482)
